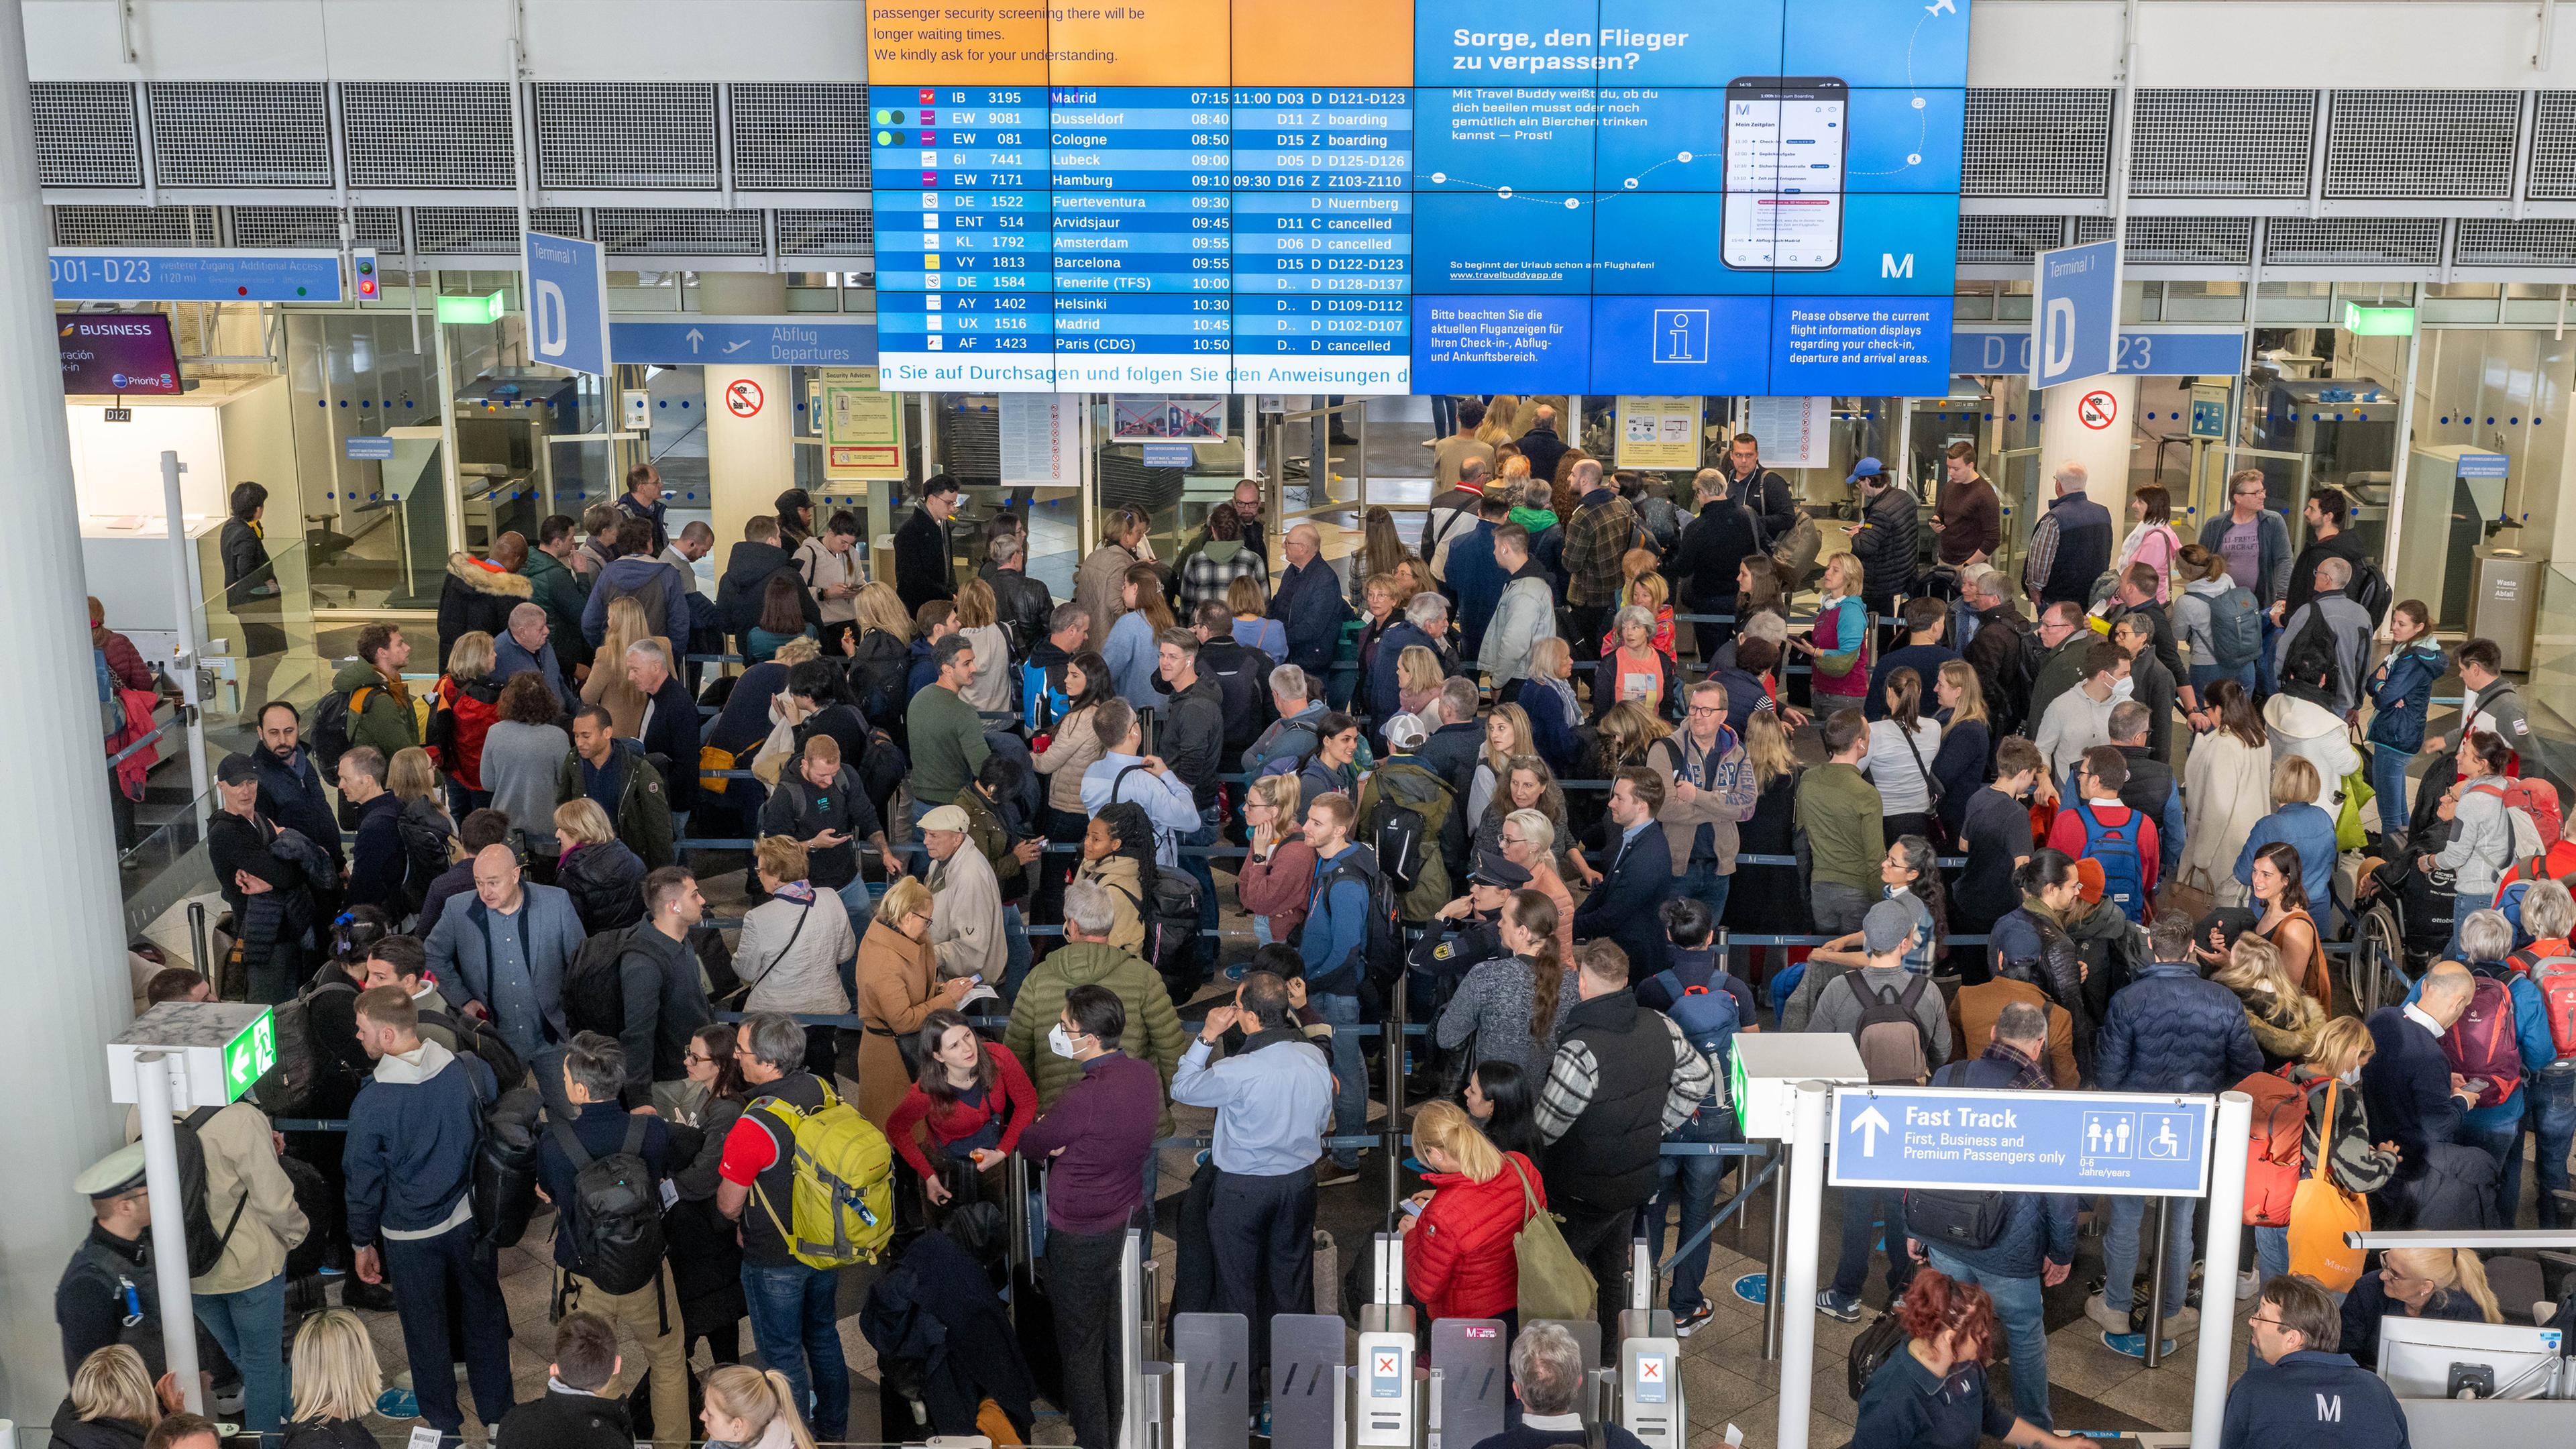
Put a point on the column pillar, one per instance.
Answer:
(65, 983)
(2104, 452)
(750, 461)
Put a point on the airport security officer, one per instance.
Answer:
(1467, 932)
(107, 1295)
(2304, 1392)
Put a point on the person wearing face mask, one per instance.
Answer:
(2080, 718)
(2354, 1160)
(1094, 1142)
(1152, 1031)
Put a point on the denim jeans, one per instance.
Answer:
(2271, 1253)
(251, 1325)
(1350, 1077)
(792, 1323)
(1204, 949)
(2387, 771)
(2120, 1253)
(2504, 1144)
(1696, 1179)
(1702, 883)
(2552, 1093)
(2017, 1308)
(2267, 680)
(1862, 1207)
(1015, 953)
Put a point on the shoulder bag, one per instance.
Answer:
(1553, 1282)
(2321, 1212)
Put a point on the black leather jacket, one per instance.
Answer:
(1023, 605)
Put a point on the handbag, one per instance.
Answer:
(1795, 552)
(775, 753)
(2321, 1212)
(2356, 795)
(1934, 826)
(744, 988)
(1553, 1282)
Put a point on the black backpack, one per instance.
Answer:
(505, 1167)
(1955, 1220)
(330, 734)
(303, 1082)
(594, 991)
(477, 1038)
(1882, 1340)
(1245, 689)
(205, 1245)
(615, 1216)
(1382, 950)
(2370, 589)
(1170, 914)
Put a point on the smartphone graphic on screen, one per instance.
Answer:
(1786, 140)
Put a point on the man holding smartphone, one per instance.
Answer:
(821, 803)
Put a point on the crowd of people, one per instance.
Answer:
(2073, 825)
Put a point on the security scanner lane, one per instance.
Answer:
(1471, 1382)
(1308, 1363)
(1212, 1380)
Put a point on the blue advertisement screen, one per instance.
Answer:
(1664, 196)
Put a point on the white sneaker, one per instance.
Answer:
(2116, 1320)
(2248, 1283)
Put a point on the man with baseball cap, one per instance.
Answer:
(107, 1295)
(966, 926)
(1886, 934)
(1888, 540)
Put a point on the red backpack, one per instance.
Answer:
(2555, 978)
(2481, 1043)
(2274, 1150)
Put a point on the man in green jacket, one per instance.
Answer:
(559, 589)
(1154, 1033)
(617, 774)
(380, 709)
(1840, 811)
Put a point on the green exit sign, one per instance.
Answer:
(249, 1055)
(476, 311)
(1735, 1092)
(2363, 321)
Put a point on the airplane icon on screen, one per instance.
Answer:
(1937, 6)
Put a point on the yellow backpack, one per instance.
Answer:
(841, 1208)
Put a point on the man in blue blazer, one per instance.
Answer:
(2414, 1098)
(1640, 875)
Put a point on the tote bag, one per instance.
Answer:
(1554, 1282)
(2321, 1212)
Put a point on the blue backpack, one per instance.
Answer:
(1709, 1019)
(2124, 877)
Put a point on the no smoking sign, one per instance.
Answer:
(742, 398)
(2098, 410)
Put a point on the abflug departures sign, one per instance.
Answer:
(119, 352)
(1646, 196)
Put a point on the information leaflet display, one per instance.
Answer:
(2084, 1142)
(1607, 196)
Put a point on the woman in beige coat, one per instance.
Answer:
(2227, 786)
(896, 967)
(607, 685)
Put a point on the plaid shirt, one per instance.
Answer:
(2043, 553)
(1595, 537)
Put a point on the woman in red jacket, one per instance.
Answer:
(1458, 1259)
(461, 710)
(975, 1099)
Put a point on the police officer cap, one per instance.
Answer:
(1491, 869)
(114, 1175)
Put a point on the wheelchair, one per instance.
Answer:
(2402, 918)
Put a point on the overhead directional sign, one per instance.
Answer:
(2076, 301)
(2160, 352)
(119, 274)
(567, 302)
(2107, 1142)
(820, 341)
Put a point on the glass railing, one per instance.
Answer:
(2550, 693)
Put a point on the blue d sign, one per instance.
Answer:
(567, 302)
(2076, 305)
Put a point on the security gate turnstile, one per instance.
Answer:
(1212, 1372)
(1470, 1382)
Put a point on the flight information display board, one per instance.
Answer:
(1374, 196)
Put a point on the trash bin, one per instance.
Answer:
(2506, 606)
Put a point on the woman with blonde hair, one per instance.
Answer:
(749, 1408)
(1514, 1006)
(427, 831)
(2444, 1283)
(1766, 898)
(1459, 1260)
(2300, 820)
(978, 618)
(790, 954)
(1967, 750)
(336, 1380)
(462, 706)
(1505, 420)
(881, 655)
(594, 867)
(1277, 883)
(2336, 1054)
(1507, 733)
(113, 1403)
(607, 685)
(1839, 642)
(1418, 678)
(1528, 840)
(1381, 548)
(898, 986)
(2284, 1017)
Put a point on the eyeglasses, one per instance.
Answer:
(697, 1058)
(2258, 1318)
(1708, 709)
